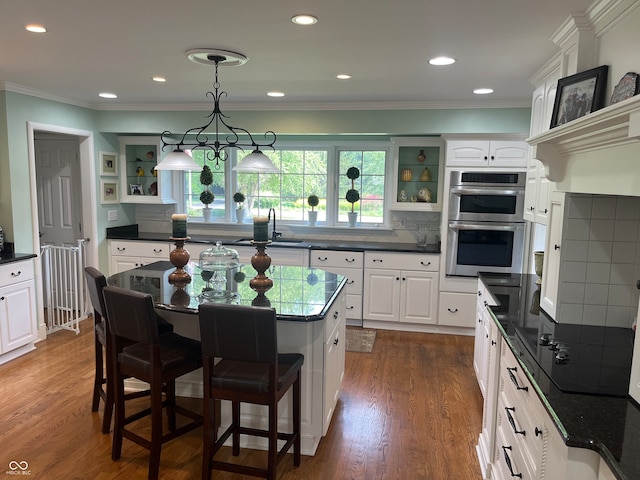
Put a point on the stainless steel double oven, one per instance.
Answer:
(486, 228)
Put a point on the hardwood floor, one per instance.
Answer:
(411, 409)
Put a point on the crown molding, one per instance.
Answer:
(32, 92)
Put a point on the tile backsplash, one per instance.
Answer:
(601, 263)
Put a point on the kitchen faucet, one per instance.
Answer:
(274, 235)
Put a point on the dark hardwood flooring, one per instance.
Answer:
(411, 409)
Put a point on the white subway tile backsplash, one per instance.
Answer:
(618, 317)
(580, 207)
(578, 229)
(572, 292)
(622, 274)
(594, 314)
(628, 208)
(624, 252)
(602, 230)
(600, 251)
(626, 230)
(598, 273)
(603, 207)
(574, 271)
(576, 250)
(596, 294)
(619, 295)
(571, 313)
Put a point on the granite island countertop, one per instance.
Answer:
(609, 425)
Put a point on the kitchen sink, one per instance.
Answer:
(280, 241)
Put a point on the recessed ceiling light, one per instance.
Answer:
(304, 19)
(107, 95)
(35, 28)
(275, 94)
(343, 76)
(442, 61)
(159, 79)
(483, 91)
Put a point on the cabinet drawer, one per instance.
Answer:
(509, 462)
(402, 261)
(159, 250)
(335, 258)
(457, 309)
(15, 272)
(354, 306)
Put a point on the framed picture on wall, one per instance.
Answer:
(579, 94)
(108, 164)
(108, 192)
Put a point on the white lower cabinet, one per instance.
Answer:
(400, 288)
(334, 356)
(17, 309)
(349, 264)
(457, 309)
(128, 254)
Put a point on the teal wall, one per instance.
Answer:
(18, 109)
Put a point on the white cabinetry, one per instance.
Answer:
(457, 309)
(400, 288)
(499, 154)
(138, 157)
(418, 164)
(128, 254)
(17, 309)
(537, 189)
(334, 348)
(552, 256)
(349, 264)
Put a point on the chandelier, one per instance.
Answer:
(217, 144)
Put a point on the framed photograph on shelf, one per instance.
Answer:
(108, 191)
(579, 94)
(627, 87)
(136, 189)
(108, 164)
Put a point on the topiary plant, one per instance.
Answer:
(313, 201)
(239, 198)
(206, 179)
(352, 195)
(207, 197)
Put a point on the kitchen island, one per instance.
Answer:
(310, 307)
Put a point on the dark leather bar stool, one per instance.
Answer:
(139, 351)
(96, 281)
(250, 370)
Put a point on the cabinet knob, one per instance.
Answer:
(1, 298)
(480, 293)
(556, 247)
(404, 278)
(546, 210)
(531, 208)
(336, 315)
(492, 157)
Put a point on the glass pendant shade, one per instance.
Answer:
(178, 160)
(256, 162)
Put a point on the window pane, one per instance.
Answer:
(193, 188)
(370, 184)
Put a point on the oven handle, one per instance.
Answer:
(503, 227)
(485, 191)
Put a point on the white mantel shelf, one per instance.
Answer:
(613, 126)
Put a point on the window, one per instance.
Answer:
(304, 170)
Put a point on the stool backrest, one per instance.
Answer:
(96, 281)
(240, 333)
(131, 315)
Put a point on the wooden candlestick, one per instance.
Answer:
(179, 257)
(261, 262)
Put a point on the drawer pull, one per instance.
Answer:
(479, 293)
(323, 259)
(1, 298)
(507, 459)
(515, 380)
(513, 422)
(376, 260)
(157, 250)
(14, 274)
(452, 310)
(350, 282)
(425, 264)
(335, 342)
(335, 315)
(349, 260)
(351, 307)
(121, 249)
(538, 431)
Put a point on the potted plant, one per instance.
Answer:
(352, 195)
(239, 198)
(206, 197)
(313, 202)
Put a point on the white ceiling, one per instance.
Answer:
(118, 45)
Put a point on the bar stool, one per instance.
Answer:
(102, 388)
(250, 370)
(139, 351)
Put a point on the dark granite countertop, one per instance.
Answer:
(130, 232)
(8, 255)
(298, 294)
(610, 425)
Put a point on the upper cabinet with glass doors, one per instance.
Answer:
(139, 180)
(418, 172)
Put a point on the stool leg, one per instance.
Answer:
(296, 420)
(209, 436)
(156, 430)
(273, 439)
(99, 378)
(235, 414)
(171, 401)
(116, 449)
(110, 388)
